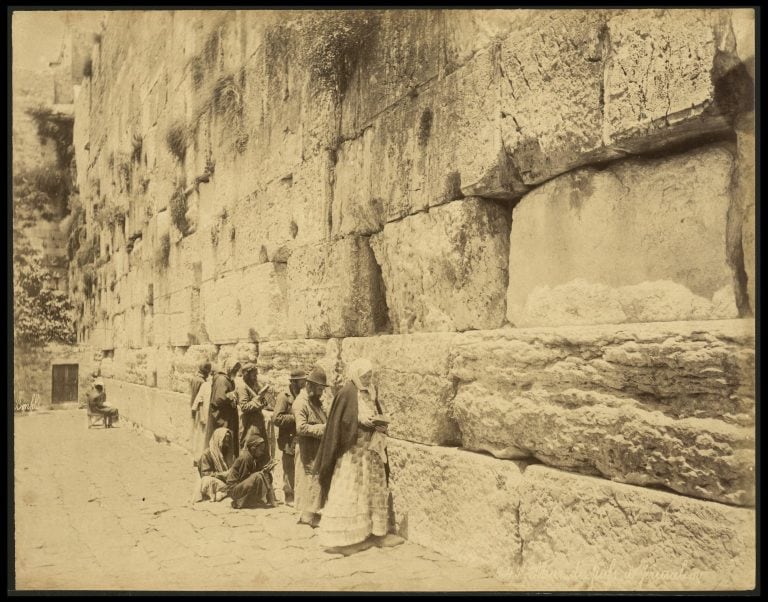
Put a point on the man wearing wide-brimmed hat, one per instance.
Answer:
(310, 426)
(286, 425)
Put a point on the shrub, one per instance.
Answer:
(56, 127)
(178, 207)
(89, 280)
(332, 41)
(177, 140)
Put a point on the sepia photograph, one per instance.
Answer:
(382, 300)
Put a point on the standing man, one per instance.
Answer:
(250, 404)
(286, 424)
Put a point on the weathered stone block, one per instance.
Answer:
(428, 149)
(453, 522)
(551, 73)
(660, 404)
(401, 56)
(446, 269)
(165, 413)
(238, 352)
(335, 290)
(664, 76)
(186, 362)
(543, 528)
(278, 358)
(411, 375)
(181, 326)
(288, 212)
(246, 305)
(581, 532)
(641, 240)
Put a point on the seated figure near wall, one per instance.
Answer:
(213, 468)
(250, 479)
(97, 404)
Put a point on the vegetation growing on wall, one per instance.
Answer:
(177, 139)
(136, 143)
(57, 128)
(331, 42)
(178, 207)
(40, 192)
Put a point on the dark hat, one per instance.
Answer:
(317, 376)
(298, 374)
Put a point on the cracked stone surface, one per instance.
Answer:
(109, 509)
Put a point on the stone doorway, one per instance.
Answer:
(64, 383)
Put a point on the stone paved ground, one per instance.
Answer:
(109, 509)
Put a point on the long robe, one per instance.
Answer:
(223, 412)
(251, 415)
(310, 424)
(198, 425)
(248, 484)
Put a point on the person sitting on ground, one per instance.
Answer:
(97, 404)
(250, 479)
(310, 425)
(213, 468)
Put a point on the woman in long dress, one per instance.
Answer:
(352, 468)
(310, 421)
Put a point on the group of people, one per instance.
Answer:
(335, 468)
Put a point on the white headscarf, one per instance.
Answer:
(214, 446)
(359, 368)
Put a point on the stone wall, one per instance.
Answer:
(539, 225)
(32, 369)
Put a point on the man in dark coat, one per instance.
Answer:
(286, 425)
(224, 405)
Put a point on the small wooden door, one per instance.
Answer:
(64, 386)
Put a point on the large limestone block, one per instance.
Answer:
(411, 375)
(428, 149)
(643, 240)
(402, 53)
(542, 528)
(551, 82)
(287, 212)
(446, 269)
(666, 76)
(181, 324)
(278, 358)
(335, 290)
(247, 304)
(659, 404)
(459, 503)
(165, 413)
(588, 533)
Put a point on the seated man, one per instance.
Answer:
(250, 480)
(97, 404)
